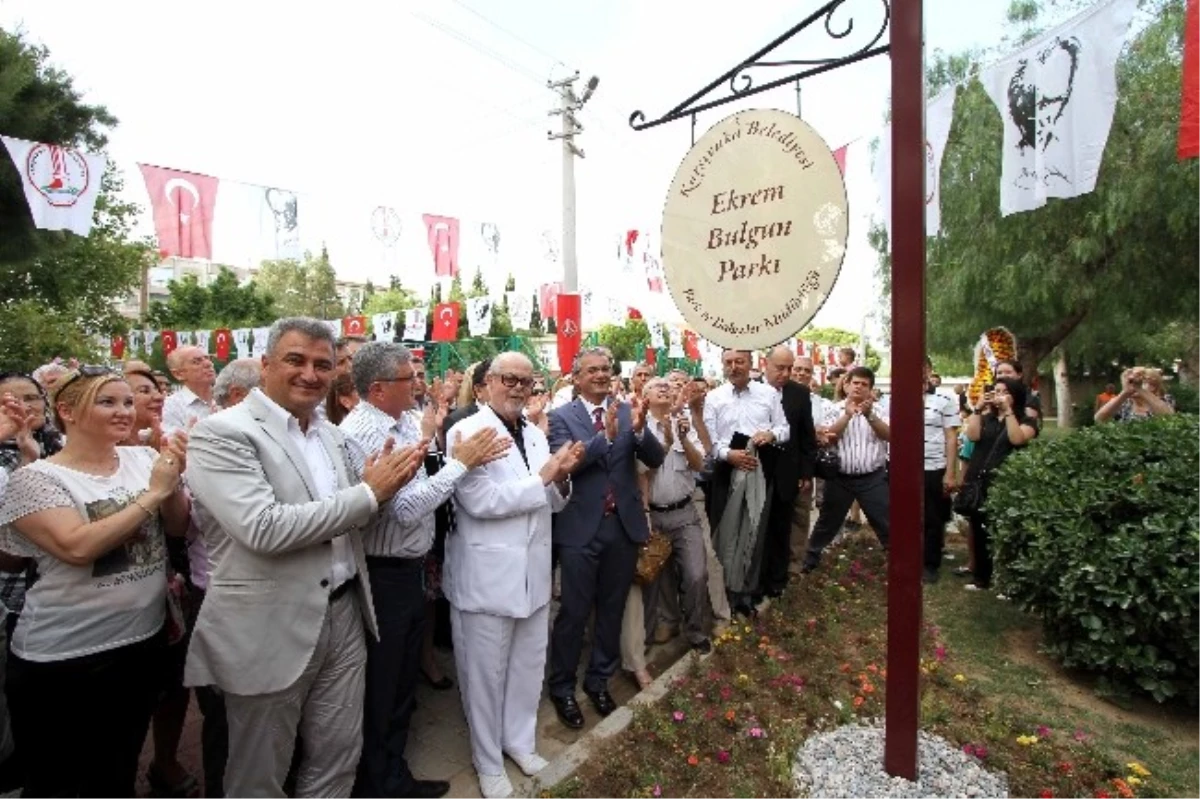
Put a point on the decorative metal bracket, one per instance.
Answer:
(741, 84)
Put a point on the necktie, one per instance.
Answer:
(610, 499)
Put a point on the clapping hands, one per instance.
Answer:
(562, 463)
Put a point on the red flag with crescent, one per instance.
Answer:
(547, 297)
(118, 346)
(651, 356)
(634, 313)
(224, 337)
(354, 325)
(691, 344)
(443, 242)
(568, 310)
(183, 204)
(169, 342)
(445, 321)
(801, 348)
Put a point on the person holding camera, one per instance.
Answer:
(998, 426)
(1141, 397)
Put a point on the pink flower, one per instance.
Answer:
(1081, 736)
(969, 749)
(657, 790)
(940, 653)
(1043, 731)
(722, 756)
(757, 732)
(726, 692)
(679, 716)
(981, 752)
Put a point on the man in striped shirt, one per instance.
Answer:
(396, 542)
(861, 432)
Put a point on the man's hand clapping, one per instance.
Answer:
(389, 470)
(483, 447)
(562, 463)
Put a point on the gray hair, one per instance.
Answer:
(242, 373)
(375, 361)
(43, 372)
(508, 359)
(588, 352)
(313, 328)
(653, 382)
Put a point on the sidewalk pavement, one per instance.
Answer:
(439, 745)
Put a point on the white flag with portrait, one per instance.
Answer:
(260, 341)
(479, 315)
(656, 334)
(202, 339)
(384, 326)
(939, 113)
(241, 342)
(135, 340)
(415, 321)
(520, 309)
(1056, 98)
(674, 343)
(149, 337)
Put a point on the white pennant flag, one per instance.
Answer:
(241, 342)
(183, 338)
(202, 338)
(415, 324)
(335, 327)
(618, 312)
(61, 184)
(384, 325)
(1056, 98)
(520, 309)
(674, 343)
(260, 341)
(656, 334)
(587, 310)
(149, 336)
(939, 113)
(479, 315)
(134, 338)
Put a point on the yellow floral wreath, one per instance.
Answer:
(995, 345)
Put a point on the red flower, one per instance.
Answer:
(1046, 794)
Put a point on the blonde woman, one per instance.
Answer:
(86, 655)
(1141, 397)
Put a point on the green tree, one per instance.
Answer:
(223, 303)
(624, 340)
(1096, 275)
(302, 288)
(842, 338)
(396, 298)
(536, 328)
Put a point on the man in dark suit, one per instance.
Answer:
(791, 469)
(597, 535)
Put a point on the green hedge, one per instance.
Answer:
(1097, 533)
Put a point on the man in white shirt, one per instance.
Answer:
(192, 367)
(862, 433)
(941, 469)
(396, 542)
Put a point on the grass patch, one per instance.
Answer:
(816, 660)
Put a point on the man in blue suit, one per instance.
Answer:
(598, 533)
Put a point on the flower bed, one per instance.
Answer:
(814, 660)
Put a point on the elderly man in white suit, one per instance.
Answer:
(497, 576)
(281, 630)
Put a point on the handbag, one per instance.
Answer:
(828, 464)
(970, 496)
(652, 557)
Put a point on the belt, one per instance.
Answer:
(673, 506)
(337, 593)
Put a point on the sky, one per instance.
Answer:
(441, 107)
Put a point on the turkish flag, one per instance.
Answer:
(801, 348)
(1189, 114)
(354, 325)
(634, 313)
(839, 155)
(118, 346)
(224, 338)
(651, 356)
(831, 355)
(631, 237)
(183, 205)
(691, 345)
(169, 342)
(568, 308)
(445, 321)
(547, 298)
(443, 241)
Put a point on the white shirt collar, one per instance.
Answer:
(279, 412)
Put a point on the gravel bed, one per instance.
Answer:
(848, 761)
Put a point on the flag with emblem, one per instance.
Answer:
(567, 321)
(445, 321)
(118, 346)
(61, 184)
(224, 339)
(169, 342)
(354, 325)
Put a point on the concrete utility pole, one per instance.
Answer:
(568, 105)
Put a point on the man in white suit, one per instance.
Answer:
(281, 628)
(497, 575)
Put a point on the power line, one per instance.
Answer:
(557, 61)
(480, 48)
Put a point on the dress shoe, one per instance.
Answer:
(495, 787)
(602, 700)
(568, 711)
(427, 789)
(703, 646)
(530, 763)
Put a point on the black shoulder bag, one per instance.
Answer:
(969, 498)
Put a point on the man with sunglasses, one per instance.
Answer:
(598, 534)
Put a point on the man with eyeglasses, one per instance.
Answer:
(396, 542)
(192, 367)
(598, 534)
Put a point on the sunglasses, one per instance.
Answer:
(512, 381)
(88, 371)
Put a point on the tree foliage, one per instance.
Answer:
(624, 340)
(302, 288)
(222, 303)
(1110, 275)
(843, 338)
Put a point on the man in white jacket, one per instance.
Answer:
(497, 576)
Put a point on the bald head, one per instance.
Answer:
(192, 367)
(779, 366)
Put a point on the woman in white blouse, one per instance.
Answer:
(85, 666)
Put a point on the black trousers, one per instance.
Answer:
(81, 722)
(393, 667)
(937, 513)
(595, 577)
(777, 549)
(981, 535)
(871, 491)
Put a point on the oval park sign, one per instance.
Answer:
(754, 229)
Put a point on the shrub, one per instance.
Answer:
(1097, 533)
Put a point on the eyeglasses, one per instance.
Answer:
(512, 381)
(396, 379)
(88, 371)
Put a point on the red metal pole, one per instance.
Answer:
(907, 402)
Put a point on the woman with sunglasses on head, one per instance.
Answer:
(86, 656)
